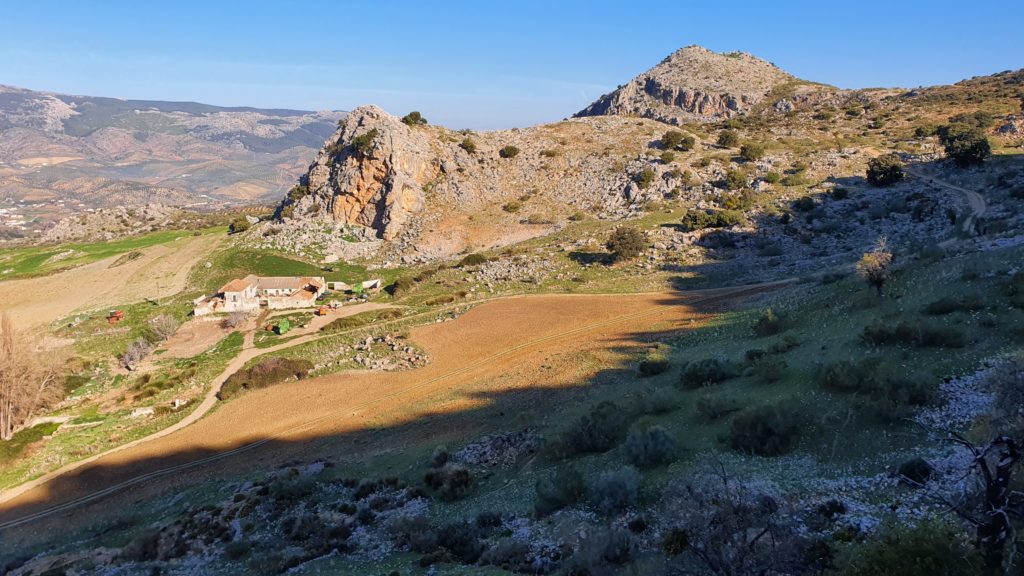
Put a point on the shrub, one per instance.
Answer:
(767, 430)
(804, 204)
(840, 194)
(239, 225)
(512, 207)
(706, 372)
(564, 488)
(874, 266)
(885, 170)
(667, 157)
(735, 179)
(598, 431)
(921, 335)
(966, 145)
(265, 373)
(772, 177)
(414, 118)
(615, 490)
(676, 140)
(649, 448)
(473, 259)
(364, 141)
(948, 305)
(626, 243)
(652, 367)
(711, 407)
(702, 219)
(752, 152)
(603, 549)
(728, 138)
(927, 548)
(916, 471)
(468, 145)
(450, 482)
(402, 286)
(645, 178)
(770, 369)
(768, 323)
(508, 152)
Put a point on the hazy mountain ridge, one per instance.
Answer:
(57, 151)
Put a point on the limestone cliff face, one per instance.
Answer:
(694, 84)
(377, 184)
(429, 192)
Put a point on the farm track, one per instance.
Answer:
(464, 354)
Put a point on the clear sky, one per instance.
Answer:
(478, 64)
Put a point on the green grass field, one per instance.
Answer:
(42, 260)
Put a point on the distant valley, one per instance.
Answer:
(62, 155)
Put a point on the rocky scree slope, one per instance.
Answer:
(696, 84)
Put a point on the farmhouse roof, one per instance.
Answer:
(239, 284)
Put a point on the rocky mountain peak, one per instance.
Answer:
(694, 83)
(370, 173)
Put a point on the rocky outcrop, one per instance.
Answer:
(427, 192)
(694, 84)
(377, 184)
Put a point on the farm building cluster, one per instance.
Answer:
(253, 292)
(275, 293)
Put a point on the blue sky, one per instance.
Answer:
(478, 64)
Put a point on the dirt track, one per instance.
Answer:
(499, 347)
(161, 271)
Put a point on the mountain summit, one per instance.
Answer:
(694, 83)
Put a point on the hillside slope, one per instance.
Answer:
(62, 154)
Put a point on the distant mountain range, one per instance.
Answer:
(62, 154)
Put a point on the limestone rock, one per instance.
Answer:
(694, 84)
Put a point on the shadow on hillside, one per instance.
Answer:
(826, 231)
(485, 412)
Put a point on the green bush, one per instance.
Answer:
(772, 177)
(728, 138)
(468, 145)
(512, 207)
(649, 448)
(966, 145)
(508, 152)
(645, 178)
(473, 259)
(770, 369)
(564, 488)
(615, 490)
(702, 219)
(667, 157)
(364, 142)
(652, 367)
(449, 482)
(414, 118)
(735, 179)
(767, 430)
(948, 305)
(768, 323)
(626, 243)
(239, 225)
(752, 152)
(402, 286)
(885, 170)
(676, 140)
(920, 335)
(804, 204)
(930, 548)
(598, 431)
(265, 373)
(706, 372)
(711, 407)
(298, 192)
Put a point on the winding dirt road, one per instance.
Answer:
(500, 347)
